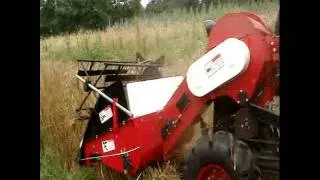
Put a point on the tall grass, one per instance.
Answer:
(179, 36)
(51, 167)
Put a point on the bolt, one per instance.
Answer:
(274, 49)
(272, 43)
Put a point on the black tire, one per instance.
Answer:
(218, 151)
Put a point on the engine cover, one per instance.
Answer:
(218, 66)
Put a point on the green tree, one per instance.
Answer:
(66, 16)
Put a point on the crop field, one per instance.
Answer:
(179, 36)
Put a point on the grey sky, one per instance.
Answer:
(144, 2)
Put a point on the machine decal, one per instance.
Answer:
(108, 145)
(215, 65)
(105, 114)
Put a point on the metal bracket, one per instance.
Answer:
(242, 98)
(126, 162)
(86, 87)
(167, 128)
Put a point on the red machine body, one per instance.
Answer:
(142, 138)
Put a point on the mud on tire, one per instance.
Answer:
(222, 150)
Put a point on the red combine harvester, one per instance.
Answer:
(140, 116)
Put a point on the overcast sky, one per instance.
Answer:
(144, 2)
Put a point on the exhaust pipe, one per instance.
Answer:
(209, 24)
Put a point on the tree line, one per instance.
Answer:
(195, 6)
(67, 16)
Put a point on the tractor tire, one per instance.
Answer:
(223, 157)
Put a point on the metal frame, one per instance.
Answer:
(110, 71)
(106, 97)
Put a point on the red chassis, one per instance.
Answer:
(152, 137)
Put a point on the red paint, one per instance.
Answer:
(237, 25)
(145, 131)
(115, 113)
(213, 172)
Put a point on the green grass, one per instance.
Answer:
(51, 167)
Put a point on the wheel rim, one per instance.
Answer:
(213, 172)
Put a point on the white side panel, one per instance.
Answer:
(219, 65)
(150, 96)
